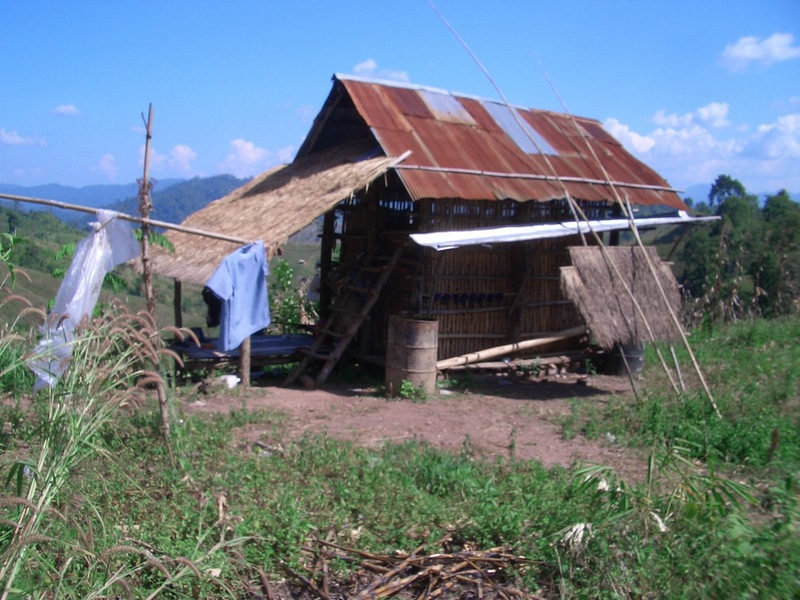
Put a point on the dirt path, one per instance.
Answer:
(497, 418)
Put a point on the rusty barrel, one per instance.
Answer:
(411, 347)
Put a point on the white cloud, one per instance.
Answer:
(687, 151)
(23, 176)
(307, 113)
(66, 110)
(156, 160)
(181, 157)
(283, 155)
(107, 166)
(245, 159)
(627, 137)
(12, 138)
(365, 68)
(369, 68)
(779, 140)
(664, 119)
(750, 50)
(178, 162)
(714, 114)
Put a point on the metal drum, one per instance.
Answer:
(412, 344)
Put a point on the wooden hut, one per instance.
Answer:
(386, 160)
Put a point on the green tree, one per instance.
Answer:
(699, 258)
(749, 262)
(721, 263)
(779, 270)
(723, 188)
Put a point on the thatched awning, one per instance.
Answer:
(607, 308)
(271, 207)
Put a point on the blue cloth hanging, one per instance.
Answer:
(241, 283)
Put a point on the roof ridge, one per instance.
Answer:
(420, 87)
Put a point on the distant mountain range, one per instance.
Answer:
(173, 199)
(174, 203)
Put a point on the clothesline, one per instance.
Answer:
(124, 217)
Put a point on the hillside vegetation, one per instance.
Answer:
(747, 264)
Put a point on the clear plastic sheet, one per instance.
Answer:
(110, 243)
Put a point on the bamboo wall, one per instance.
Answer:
(481, 296)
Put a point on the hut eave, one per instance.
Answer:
(270, 208)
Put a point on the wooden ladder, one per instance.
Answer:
(350, 309)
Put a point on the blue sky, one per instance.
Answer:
(693, 88)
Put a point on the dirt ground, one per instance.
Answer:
(497, 417)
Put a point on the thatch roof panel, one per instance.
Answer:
(593, 286)
(272, 207)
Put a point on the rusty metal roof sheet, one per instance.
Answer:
(478, 149)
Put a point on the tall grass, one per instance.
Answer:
(724, 489)
(754, 368)
(110, 359)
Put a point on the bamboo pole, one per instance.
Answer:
(677, 367)
(627, 212)
(508, 348)
(570, 201)
(576, 211)
(129, 218)
(574, 207)
(145, 204)
(537, 176)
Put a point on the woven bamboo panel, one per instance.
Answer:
(481, 296)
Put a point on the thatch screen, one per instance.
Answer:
(273, 206)
(592, 284)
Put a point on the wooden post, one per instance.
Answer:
(326, 257)
(177, 302)
(244, 363)
(144, 209)
(613, 236)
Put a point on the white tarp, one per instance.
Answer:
(110, 243)
(446, 240)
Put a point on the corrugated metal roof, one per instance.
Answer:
(476, 149)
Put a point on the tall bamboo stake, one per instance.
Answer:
(576, 210)
(523, 126)
(627, 211)
(145, 204)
